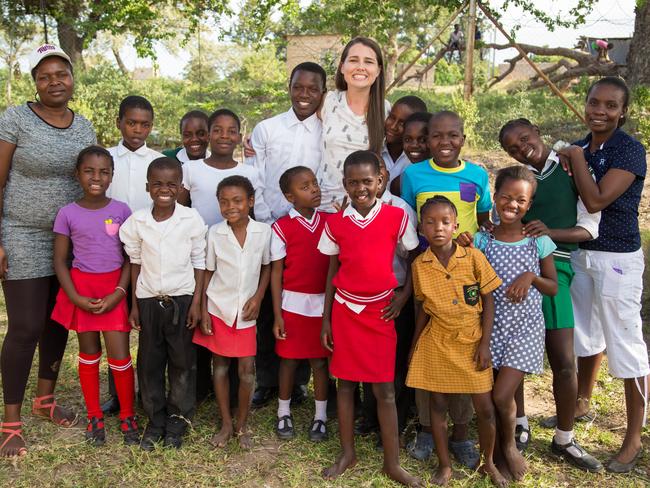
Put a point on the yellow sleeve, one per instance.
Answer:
(485, 274)
(417, 285)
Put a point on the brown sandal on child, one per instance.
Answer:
(16, 432)
(39, 405)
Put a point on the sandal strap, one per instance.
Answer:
(10, 424)
(12, 433)
(39, 405)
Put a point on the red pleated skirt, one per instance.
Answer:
(364, 344)
(303, 337)
(95, 285)
(227, 341)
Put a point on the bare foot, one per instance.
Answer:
(14, 446)
(402, 476)
(245, 441)
(441, 476)
(582, 407)
(61, 416)
(502, 466)
(338, 468)
(221, 438)
(495, 475)
(516, 462)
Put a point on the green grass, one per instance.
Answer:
(59, 457)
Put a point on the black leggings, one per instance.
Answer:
(29, 306)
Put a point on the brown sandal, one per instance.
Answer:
(13, 433)
(38, 405)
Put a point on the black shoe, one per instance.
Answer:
(130, 431)
(173, 441)
(576, 455)
(299, 395)
(363, 427)
(111, 406)
(262, 396)
(149, 440)
(522, 437)
(284, 429)
(95, 433)
(318, 431)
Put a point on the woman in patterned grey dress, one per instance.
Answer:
(526, 266)
(39, 143)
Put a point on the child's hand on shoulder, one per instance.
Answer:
(482, 356)
(278, 329)
(326, 335)
(518, 290)
(251, 308)
(465, 239)
(397, 302)
(535, 228)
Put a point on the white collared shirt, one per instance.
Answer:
(400, 263)
(168, 253)
(588, 221)
(307, 304)
(236, 269)
(280, 143)
(129, 183)
(182, 156)
(397, 167)
(201, 180)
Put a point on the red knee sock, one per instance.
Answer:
(122, 370)
(89, 379)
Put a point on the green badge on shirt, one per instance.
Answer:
(471, 293)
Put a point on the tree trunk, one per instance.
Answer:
(8, 88)
(638, 61)
(390, 63)
(118, 59)
(71, 42)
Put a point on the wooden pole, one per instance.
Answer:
(399, 77)
(468, 87)
(532, 64)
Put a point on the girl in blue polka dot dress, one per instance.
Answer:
(526, 267)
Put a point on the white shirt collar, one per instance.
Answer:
(310, 123)
(293, 213)
(252, 226)
(550, 161)
(351, 212)
(122, 149)
(184, 158)
(387, 196)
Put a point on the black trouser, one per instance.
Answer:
(404, 396)
(267, 362)
(166, 343)
(29, 307)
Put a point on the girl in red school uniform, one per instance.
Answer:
(358, 326)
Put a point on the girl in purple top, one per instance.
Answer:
(92, 298)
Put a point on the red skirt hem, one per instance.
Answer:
(95, 285)
(303, 337)
(364, 344)
(227, 341)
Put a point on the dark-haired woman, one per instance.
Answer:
(353, 115)
(39, 143)
(607, 286)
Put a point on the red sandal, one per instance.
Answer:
(38, 405)
(12, 433)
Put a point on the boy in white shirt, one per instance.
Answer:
(287, 140)
(166, 246)
(131, 155)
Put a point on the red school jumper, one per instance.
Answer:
(364, 343)
(305, 271)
